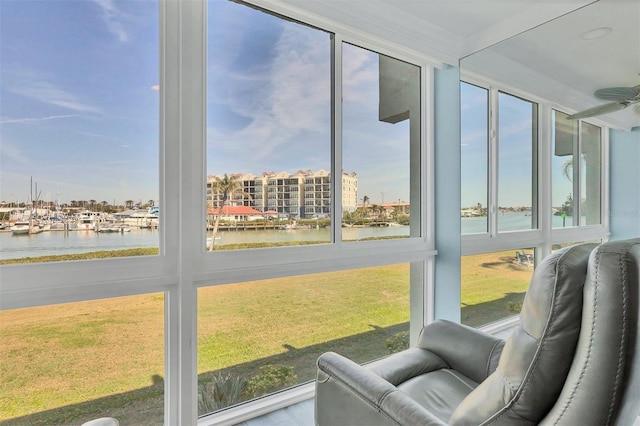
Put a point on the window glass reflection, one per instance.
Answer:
(474, 124)
(268, 130)
(590, 161)
(380, 128)
(564, 175)
(517, 138)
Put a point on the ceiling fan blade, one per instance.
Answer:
(617, 93)
(599, 110)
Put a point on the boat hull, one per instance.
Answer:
(20, 231)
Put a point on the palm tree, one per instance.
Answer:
(376, 211)
(128, 204)
(360, 213)
(227, 187)
(567, 169)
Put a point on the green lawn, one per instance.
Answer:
(73, 362)
(489, 282)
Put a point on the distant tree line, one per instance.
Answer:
(93, 205)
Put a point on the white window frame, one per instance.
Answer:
(544, 237)
(183, 265)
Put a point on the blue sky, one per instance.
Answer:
(269, 104)
(515, 152)
(79, 108)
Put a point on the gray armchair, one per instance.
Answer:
(574, 359)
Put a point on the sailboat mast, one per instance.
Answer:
(31, 211)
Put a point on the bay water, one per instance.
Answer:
(59, 242)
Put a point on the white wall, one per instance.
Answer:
(625, 184)
(447, 193)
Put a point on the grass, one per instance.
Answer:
(105, 254)
(489, 282)
(290, 314)
(61, 355)
(65, 364)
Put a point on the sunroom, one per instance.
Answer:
(448, 123)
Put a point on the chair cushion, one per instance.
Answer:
(440, 391)
(537, 356)
(603, 385)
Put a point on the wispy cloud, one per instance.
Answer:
(46, 92)
(359, 69)
(11, 154)
(473, 97)
(35, 119)
(516, 128)
(289, 99)
(101, 136)
(469, 138)
(113, 18)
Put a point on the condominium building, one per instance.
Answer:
(304, 194)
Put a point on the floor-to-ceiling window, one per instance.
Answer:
(576, 172)
(314, 156)
(79, 172)
(532, 181)
(258, 138)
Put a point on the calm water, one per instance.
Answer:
(57, 242)
(509, 221)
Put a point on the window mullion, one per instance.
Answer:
(188, 53)
(494, 140)
(545, 189)
(336, 139)
(577, 211)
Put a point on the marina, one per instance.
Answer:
(118, 236)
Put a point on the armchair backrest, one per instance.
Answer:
(603, 385)
(538, 355)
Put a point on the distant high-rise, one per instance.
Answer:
(304, 194)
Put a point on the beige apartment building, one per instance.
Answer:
(305, 194)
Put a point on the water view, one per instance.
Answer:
(59, 242)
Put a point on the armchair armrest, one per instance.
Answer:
(402, 366)
(472, 352)
(348, 393)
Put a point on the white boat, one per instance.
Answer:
(24, 227)
(87, 221)
(288, 226)
(110, 228)
(21, 227)
(86, 224)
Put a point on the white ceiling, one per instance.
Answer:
(563, 67)
(532, 45)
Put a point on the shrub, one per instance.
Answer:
(272, 377)
(398, 342)
(221, 391)
(514, 307)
